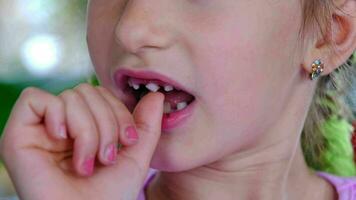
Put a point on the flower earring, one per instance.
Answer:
(317, 69)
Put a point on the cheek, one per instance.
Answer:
(101, 23)
(242, 68)
(99, 51)
(233, 84)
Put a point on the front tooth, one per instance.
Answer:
(167, 108)
(181, 105)
(135, 86)
(168, 88)
(152, 87)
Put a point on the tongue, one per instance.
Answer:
(174, 97)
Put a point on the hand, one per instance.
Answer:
(64, 147)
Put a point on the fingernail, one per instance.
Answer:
(88, 166)
(62, 131)
(110, 153)
(131, 133)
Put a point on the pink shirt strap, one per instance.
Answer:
(345, 186)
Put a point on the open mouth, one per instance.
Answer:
(175, 99)
(178, 102)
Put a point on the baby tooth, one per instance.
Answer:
(167, 107)
(181, 105)
(135, 86)
(152, 87)
(168, 88)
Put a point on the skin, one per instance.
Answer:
(241, 59)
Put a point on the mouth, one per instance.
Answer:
(178, 102)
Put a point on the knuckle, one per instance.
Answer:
(32, 94)
(113, 100)
(58, 103)
(84, 87)
(102, 89)
(69, 94)
(105, 92)
(29, 92)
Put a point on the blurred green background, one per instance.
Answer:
(42, 44)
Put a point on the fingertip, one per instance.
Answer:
(129, 135)
(148, 118)
(109, 155)
(152, 102)
(159, 96)
(88, 166)
(60, 132)
(85, 151)
(85, 167)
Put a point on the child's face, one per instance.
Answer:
(239, 58)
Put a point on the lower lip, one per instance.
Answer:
(176, 119)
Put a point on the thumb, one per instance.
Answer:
(148, 118)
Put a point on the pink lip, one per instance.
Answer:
(168, 121)
(173, 120)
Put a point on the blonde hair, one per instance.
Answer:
(331, 88)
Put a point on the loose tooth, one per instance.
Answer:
(167, 107)
(152, 87)
(181, 105)
(135, 86)
(168, 88)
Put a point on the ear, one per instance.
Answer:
(339, 41)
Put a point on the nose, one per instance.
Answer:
(142, 25)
